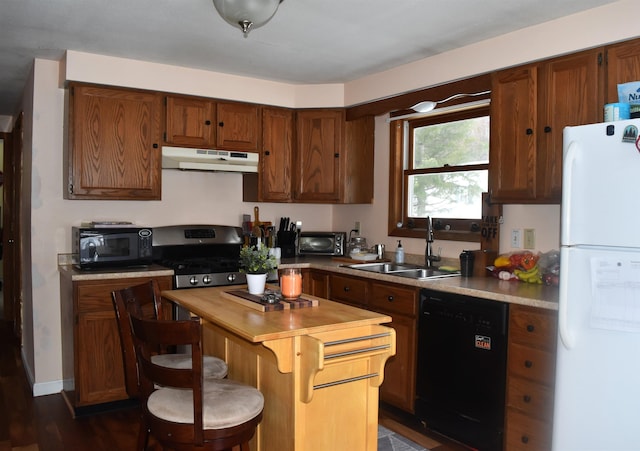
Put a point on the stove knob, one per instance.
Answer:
(193, 280)
(231, 277)
(206, 279)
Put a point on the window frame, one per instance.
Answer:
(399, 224)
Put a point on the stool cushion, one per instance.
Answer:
(226, 403)
(212, 367)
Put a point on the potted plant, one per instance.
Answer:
(256, 262)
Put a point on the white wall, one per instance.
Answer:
(217, 198)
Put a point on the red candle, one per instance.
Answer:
(291, 283)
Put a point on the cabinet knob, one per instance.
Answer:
(528, 363)
(390, 298)
(221, 124)
(547, 129)
(524, 439)
(336, 155)
(155, 145)
(346, 288)
(266, 152)
(526, 398)
(530, 328)
(529, 131)
(207, 122)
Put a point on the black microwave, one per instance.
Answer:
(112, 247)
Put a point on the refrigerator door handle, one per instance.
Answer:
(567, 183)
(563, 313)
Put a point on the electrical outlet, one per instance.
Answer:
(357, 227)
(516, 239)
(529, 238)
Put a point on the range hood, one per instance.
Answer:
(209, 160)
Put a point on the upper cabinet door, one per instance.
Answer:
(623, 66)
(571, 93)
(514, 108)
(238, 126)
(277, 155)
(114, 150)
(189, 121)
(319, 155)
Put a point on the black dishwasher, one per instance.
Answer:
(462, 354)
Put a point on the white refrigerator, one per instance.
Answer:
(597, 393)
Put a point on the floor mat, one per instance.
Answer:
(390, 441)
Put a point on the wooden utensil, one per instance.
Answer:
(256, 222)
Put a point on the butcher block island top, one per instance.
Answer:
(216, 306)
(318, 367)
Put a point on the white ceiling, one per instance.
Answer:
(307, 41)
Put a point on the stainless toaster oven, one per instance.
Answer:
(322, 243)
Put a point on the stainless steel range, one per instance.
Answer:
(200, 255)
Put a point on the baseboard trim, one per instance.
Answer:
(41, 388)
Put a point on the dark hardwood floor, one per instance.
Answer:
(44, 423)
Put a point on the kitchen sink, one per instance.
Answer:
(403, 270)
(383, 268)
(424, 273)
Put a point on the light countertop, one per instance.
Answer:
(213, 305)
(513, 292)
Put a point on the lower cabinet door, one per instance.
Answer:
(99, 360)
(397, 388)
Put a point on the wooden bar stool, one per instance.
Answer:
(145, 299)
(181, 409)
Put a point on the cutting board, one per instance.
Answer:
(255, 301)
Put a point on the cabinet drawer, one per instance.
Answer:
(96, 295)
(394, 299)
(348, 289)
(535, 327)
(531, 398)
(532, 364)
(525, 433)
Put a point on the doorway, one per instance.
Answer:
(11, 177)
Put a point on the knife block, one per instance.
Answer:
(287, 242)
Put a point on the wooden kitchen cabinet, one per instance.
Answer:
(315, 283)
(92, 355)
(530, 378)
(401, 303)
(276, 158)
(319, 155)
(330, 159)
(623, 66)
(114, 144)
(530, 106)
(238, 126)
(349, 290)
(189, 121)
(334, 158)
(206, 123)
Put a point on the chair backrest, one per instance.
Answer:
(145, 300)
(149, 335)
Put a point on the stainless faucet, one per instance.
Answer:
(429, 258)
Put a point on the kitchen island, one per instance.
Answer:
(319, 368)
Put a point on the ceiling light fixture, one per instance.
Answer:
(428, 105)
(247, 14)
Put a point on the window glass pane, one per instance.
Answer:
(455, 195)
(451, 143)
